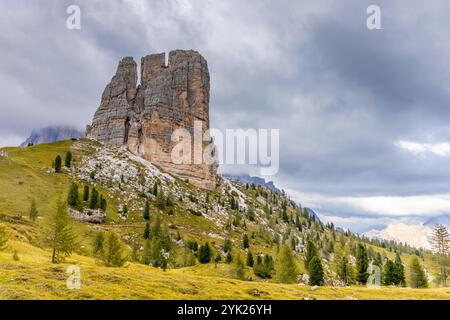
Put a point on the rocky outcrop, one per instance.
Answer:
(88, 215)
(143, 117)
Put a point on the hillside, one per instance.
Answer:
(187, 214)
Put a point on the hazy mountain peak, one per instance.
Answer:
(52, 134)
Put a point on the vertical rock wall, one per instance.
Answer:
(143, 117)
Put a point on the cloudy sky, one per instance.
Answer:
(364, 115)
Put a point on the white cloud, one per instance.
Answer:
(419, 205)
(10, 141)
(440, 149)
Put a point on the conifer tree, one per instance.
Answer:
(229, 258)
(316, 274)
(311, 252)
(93, 202)
(239, 267)
(378, 261)
(417, 276)
(68, 159)
(85, 193)
(98, 244)
(33, 213)
(389, 273)
(250, 261)
(147, 231)
(217, 259)
(60, 235)
(113, 255)
(245, 242)
(227, 245)
(72, 196)
(362, 263)
(57, 164)
(161, 200)
(286, 269)
(146, 213)
(102, 203)
(205, 253)
(441, 244)
(399, 278)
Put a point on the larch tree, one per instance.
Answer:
(33, 213)
(440, 242)
(417, 276)
(286, 269)
(60, 235)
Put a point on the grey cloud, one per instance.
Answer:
(341, 94)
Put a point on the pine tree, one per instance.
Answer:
(344, 272)
(57, 164)
(378, 261)
(68, 159)
(155, 189)
(239, 267)
(72, 196)
(399, 278)
(205, 253)
(441, 244)
(33, 213)
(147, 231)
(286, 269)
(389, 273)
(229, 258)
(146, 213)
(227, 245)
(362, 263)
(311, 252)
(245, 242)
(113, 255)
(3, 238)
(217, 259)
(102, 203)
(161, 200)
(85, 193)
(152, 253)
(263, 266)
(417, 275)
(60, 236)
(316, 274)
(98, 244)
(93, 202)
(250, 260)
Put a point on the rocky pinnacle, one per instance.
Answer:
(143, 117)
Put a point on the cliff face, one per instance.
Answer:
(143, 117)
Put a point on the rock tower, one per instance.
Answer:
(143, 117)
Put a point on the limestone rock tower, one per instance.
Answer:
(143, 117)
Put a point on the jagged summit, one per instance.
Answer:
(142, 117)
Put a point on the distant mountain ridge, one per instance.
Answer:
(52, 134)
(245, 178)
(442, 219)
(416, 235)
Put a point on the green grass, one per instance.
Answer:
(34, 277)
(25, 175)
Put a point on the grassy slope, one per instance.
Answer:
(24, 175)
(34, 277)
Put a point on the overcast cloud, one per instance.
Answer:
(364, 115)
